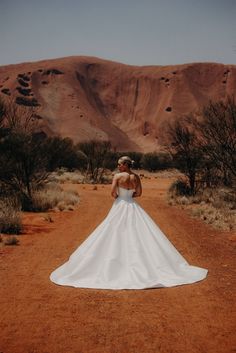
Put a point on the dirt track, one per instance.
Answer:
(38, 316)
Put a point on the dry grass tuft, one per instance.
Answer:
(62, 176)
(54, 197)
(214, 206)
(47, 217)
(218, 218)
(10, 216)
(11, 240)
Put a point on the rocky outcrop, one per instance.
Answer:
(86, 97)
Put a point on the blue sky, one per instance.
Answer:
(150, 32)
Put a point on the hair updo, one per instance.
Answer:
(126, 160)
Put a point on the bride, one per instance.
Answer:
(127, 250)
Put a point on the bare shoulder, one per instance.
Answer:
(136, 176)
(117, 175)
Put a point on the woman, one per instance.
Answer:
(127, 250)
(126, 178)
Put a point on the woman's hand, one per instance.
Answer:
(138, 188)
(136, 194)
(114, 187)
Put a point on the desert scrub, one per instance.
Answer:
(54, 197)
(11, 240)
(10, 216)
(219, 218)
(215, 206)
(63, 176)
(77, 177)
(218, 207)
(179, 193)
(179, 188)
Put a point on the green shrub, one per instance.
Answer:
(96, 152)
(156, 161)
(180, 188)
(150, 162)
(61, 152)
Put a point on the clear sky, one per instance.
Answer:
(135, 32)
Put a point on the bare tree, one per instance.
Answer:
(62, 152)
(181, 142)
(96, 153)
(217, 136)
(19, 118)
(205, 145)
(153, 161)
(22, 162)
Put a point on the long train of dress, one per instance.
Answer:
(126, 251)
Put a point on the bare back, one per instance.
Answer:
(130, 181)
(126, 180)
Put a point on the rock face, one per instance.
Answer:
(86, 97)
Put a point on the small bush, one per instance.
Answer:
(216, 205)
(96, 153)
(12, 240)
(150, 162)
(53, 197)
(106, 179)
(197, 212)
(180, 188)
(10, 217)
(48, 218)
(183, 200)
(62, 176)
(156, 161)
(217, 197)
(218, 218)
(62, 152)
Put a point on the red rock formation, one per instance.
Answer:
(86, 97)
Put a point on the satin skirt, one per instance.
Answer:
(126, 251)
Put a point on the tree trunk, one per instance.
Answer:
(192, 183)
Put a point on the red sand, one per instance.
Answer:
(38, 316)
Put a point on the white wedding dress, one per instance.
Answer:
(126, 251)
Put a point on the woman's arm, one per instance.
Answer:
(138, 188)
(114, 186)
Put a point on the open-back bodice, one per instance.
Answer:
(125, 194)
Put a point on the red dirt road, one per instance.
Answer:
(38, 316)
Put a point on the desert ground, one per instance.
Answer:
(38, 316)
